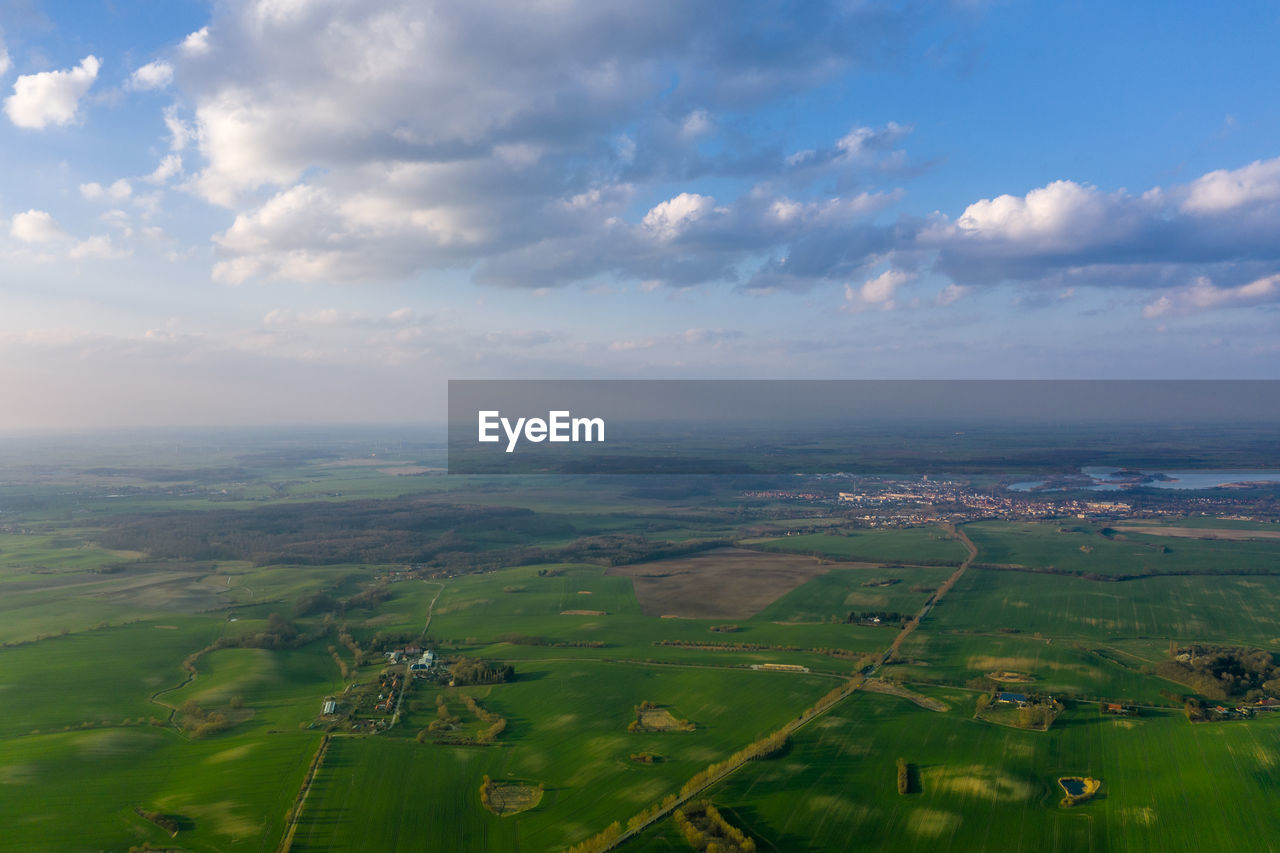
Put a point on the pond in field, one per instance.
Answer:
(1074, 786)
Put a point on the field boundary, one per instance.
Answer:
(614, 835)
(295, 813)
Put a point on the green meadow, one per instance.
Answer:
(927, 545)
(267, 590)
(1166, 785)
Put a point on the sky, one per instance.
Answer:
(308, 211)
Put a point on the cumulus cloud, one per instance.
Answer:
(50, 97)
(1224, 190)
(117, 191)
(1218, 227)
(98, 247)
(169, 166)
(1202, 295)
(372, 141)
(668, 219)
(5, 62)
(419, 138)
(153, 75)
(197, 43)
(35, 226)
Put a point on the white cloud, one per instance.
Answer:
(880, 290)
(98, 247)
(1224, 189)
(5, 62)
(952, 293)
(153, 75)
(171, 165)
(428, 142)
(197, 43)
(668, 219)
(1058, 215)
(35, 226)
(50, 97)
(117, 191)
(180, 133)
(1202, 295)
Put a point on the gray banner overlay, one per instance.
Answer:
(813, 426)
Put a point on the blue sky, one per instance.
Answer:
(293, 210)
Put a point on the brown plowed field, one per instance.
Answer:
(727, 583)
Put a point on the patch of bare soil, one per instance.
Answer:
(726, 583)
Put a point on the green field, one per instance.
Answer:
(261, 586)
(569, 732)
(1167, 785)
(927, 545)
(1079, 547)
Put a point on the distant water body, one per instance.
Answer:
(1110, 479)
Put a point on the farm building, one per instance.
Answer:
(330, 707)
(1018, 699)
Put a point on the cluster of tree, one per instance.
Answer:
(639, 725)
(706, 646)
(357, 654)
(322, 602)
(645, 758)
(444, 721)
(706, 830)
(886, 617)
(1223, 673)
(904, 776)
(726, 629)
(347, 672)
(199, 723)
(497, 724)
(169, 823)
(474, 671)
(1039, 712)
(280, 633)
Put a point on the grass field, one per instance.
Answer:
(92, 678)
(1244, 609)
(567, 730)
(1080, 547)
(928, 545)
(78, 790)
(1167, 785)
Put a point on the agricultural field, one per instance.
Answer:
(1243, 609)
(1166, 785)
(917, 545)
(218, 657)
(1083, 548)
(568, 731)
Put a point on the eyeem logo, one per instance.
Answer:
(559, 426)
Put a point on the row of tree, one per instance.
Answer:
(706, 830)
